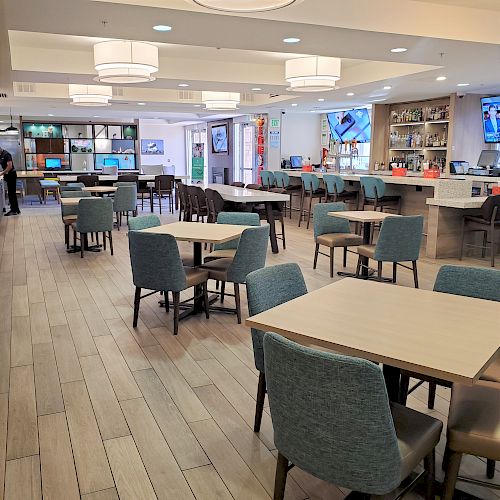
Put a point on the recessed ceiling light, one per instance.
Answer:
(312, 111)
(321, 99)
(243, 5)
(141, 104)
(162, 27)
(377, 100)
(463, 84)
(183, 85)
(397, 50)
(294, 104)
(50, 114)
(441, 78)
(96, 116)
(291, 39)
(387, 87)
(197, 105)
(256, 89)
(350, 94)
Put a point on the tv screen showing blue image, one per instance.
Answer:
(219, 139)
(111, 162)
(350, 125)
(490, 107)
(52, 163)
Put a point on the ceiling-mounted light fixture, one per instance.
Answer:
(220, 100)
(122, 61)
(243, 5)
(10, 130)
(312, 74)
(90, 95)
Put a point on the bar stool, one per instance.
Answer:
(47, 187)
(335, 190)
(310, 189)
(373, 190)
(267, 179)
(283, 183)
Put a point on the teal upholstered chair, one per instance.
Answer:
(373, 191)
(228, 249)
(124, 202)
(332, 232)
(94, 216)
(267, 178)
(69, 213)
(332, 418)
(283, 183)
(157, 265)
(310, 189)
(267, 288)
(399, 241)
(250, 256)
(335, 190)
(143, 222)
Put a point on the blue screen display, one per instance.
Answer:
(111, 162)
(350, 125)
(52, 162)
(491, 119)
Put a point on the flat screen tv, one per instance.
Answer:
(111, 162)
(52, 163)
(219, 139)
(296, 161)
(351, 124)
(490, 106)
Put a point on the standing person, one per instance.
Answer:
(9, 174)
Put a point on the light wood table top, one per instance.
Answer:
(114, 178)
(75, 201)
(440, 335)
(242, 195)
(461, 203)
(29, 174)
(100, 189)
(201, 233)
(362, 215)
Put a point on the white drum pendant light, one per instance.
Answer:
(90, 95)
(243, 5)
(122, 61)
(312, 74)
(220, 100)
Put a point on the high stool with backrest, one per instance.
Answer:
(332, 232)
(215, 204)
(283, 183)
(88, 180)
(164, 186)
(124, 202)
(332, 418)
(399, 241)
(157, 265)
(49, 186)
(197, 203)
(335, 190)
(268, 288)
(267, 178)
(184, 209)
(310, 189)
(373, 191)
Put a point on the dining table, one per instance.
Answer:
(438, 335)
(100, 190)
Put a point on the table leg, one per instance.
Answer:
(392, 376)
(151, 199)
(272, 227)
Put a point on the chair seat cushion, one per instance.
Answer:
(69, 219)
(49, 184)
(384, 199)
(417, 436)
(195, 276)
(227, 253)
(345, 195)
(217, 269)
(473, 420)
(367, 251)
(293, 187)
(492, 373)
(187, 259)
(339, 240)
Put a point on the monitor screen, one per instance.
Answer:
(490, 107)
(488, 158)
(350, 125)
(111, 162)
(296, 161)
(219, 139)
(52, 163)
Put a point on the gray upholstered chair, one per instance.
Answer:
(336, 191)
(164, 186)
(473, 429)
(69, 213)
(157, 265)
(283, 182)
(143, 222)
(399, 241)
(228, 249)
(124, 202)
(373, 194)
(332, 232)
(250, 256)
(311, 190)
(332, 418)
(94, 216)
(267, 288)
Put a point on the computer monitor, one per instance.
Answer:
(111, 162)
(52, 163)
(489, 158)
(296, 161)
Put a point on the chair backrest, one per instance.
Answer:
(331, 416)
(164, 182)
(95, 215)
(239, 219)
(477, 282)
(125, 199)
(267, 288)
(257, 187)
(310, 182)
(488, 208)
(68, 188)
(334, 183)
(215, 203)
(282, 179)
(129, 178)
(250, 254)
(152, 169)
(238, 184)
(143, 222)
(326, 224)
(109, 170)
(372, 187)
(88, 180)
(182, 192)
(156, 262)
(197, 197)
(267, 178)
(400, 239)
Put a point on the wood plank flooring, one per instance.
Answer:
(92, 408)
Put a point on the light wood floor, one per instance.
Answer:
(91, 408)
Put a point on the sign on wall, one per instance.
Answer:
(198, 162)
(274, 123)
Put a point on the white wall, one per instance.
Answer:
(174, 142)
(301, 135)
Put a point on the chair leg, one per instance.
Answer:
(222, 291)
(344, 261)
(394, 271)
(450, 478)
(332, 255)
(280, 478)
(111, 241)
(283, 232)
(259, 406)
(403, 389)
(205, 300)
(104, 241)
(66, 236)
(415, 273)
(379, 270)
(492, 238)
(177, 300)
(490, 468)
(97, 239)
(137, 300)
(309, 211)
(316, 251)
(167, 303)
(430, 467)
(431, 399)
(358, 266)
(238, 302)
(83, 240)
(301, 207)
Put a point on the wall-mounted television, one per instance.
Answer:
(219, 139)
(111, 162)
(490, 107)
(350, 125)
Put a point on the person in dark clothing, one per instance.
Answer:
(9, 174)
